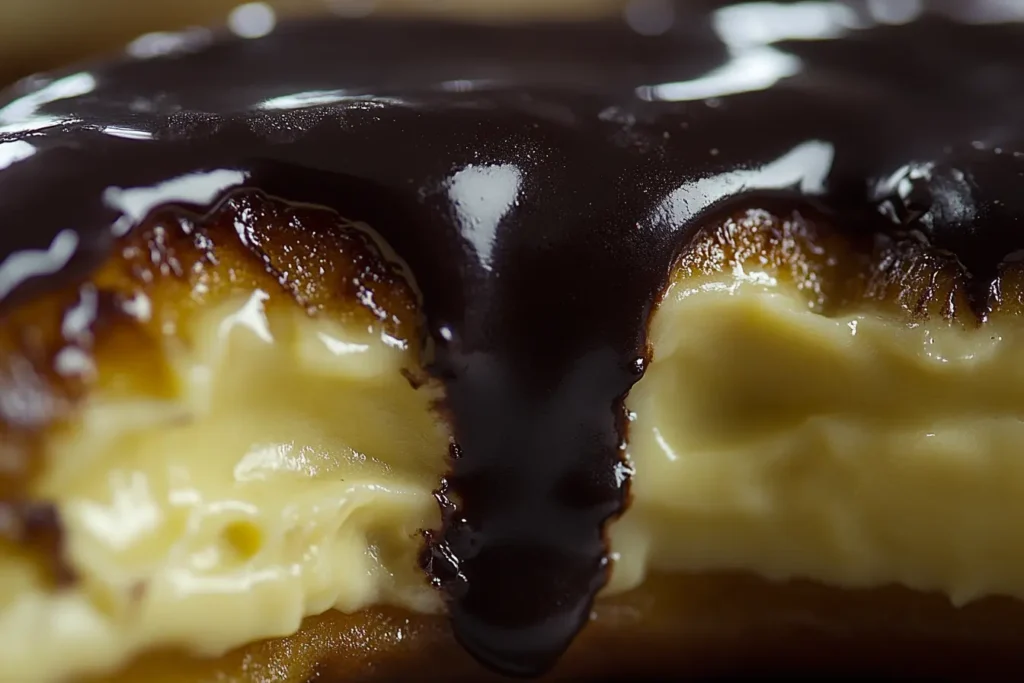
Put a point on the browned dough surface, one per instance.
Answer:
(671, 628)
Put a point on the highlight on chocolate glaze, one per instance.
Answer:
(683, 342)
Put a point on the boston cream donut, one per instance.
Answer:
(380, 350)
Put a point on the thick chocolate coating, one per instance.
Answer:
(540, 181)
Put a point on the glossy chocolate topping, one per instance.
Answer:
(540, 181)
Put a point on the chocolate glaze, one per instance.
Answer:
(540, 181)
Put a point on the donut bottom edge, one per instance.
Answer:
(707, 626)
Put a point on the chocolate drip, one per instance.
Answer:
(540, 181)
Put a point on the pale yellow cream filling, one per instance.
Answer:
(856, 451)
(294, 472)
(293, 475)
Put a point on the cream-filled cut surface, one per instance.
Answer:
(877, 443)
(247, 447)
(248, 451)
(258, 499)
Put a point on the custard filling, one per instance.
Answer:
(249, 451)
(814, 413)
(240, 435)
(847, 450)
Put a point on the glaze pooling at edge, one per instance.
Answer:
(539, 181)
